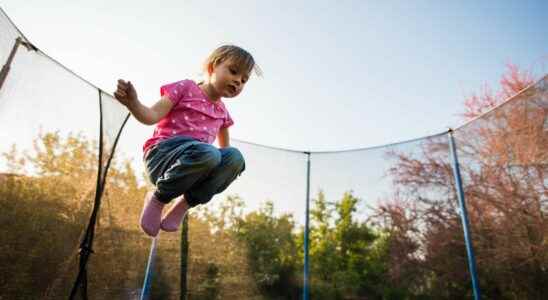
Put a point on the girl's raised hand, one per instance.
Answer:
(125, 93)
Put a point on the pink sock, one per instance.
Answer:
(151, 215)
(170, 222)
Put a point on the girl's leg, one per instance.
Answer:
(151, 214)
(182, 167)
(174, 166)
(170, 222)
(232, 164)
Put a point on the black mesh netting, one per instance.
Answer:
(384, 222)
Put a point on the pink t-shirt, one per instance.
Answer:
(192, 115)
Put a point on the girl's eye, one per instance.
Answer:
(233, 72)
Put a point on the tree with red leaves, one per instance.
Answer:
(504, 162)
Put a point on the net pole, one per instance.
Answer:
(464, 218)
(6, 67)
(306, 229)
(184, 258)
(145, 292)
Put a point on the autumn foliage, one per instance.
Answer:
(503, 160)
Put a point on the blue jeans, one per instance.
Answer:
(185, 166)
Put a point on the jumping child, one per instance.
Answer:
(180, 160)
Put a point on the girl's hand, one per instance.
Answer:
(125, 93)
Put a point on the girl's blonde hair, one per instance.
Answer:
(238, 55)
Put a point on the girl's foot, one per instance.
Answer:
(170, 222)
(151, 215)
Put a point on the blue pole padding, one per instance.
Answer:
(145, 292)
(464, 218)
(306, 228)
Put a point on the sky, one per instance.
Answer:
(337, 76)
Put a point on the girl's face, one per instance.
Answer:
(228, 79)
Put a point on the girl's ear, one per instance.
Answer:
(210, 69)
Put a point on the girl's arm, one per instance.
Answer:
(224, 138)
(127, 95)
(151, 115)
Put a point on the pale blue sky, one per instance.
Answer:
(337, 75)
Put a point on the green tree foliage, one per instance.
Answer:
(218, 261)
(271, 250)
(348, 258)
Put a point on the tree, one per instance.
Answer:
(503, 162)
(348, 258)
(512, 82)
(271, 250)
(219, 264)
(47, 206)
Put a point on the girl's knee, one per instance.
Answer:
(235, 159)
